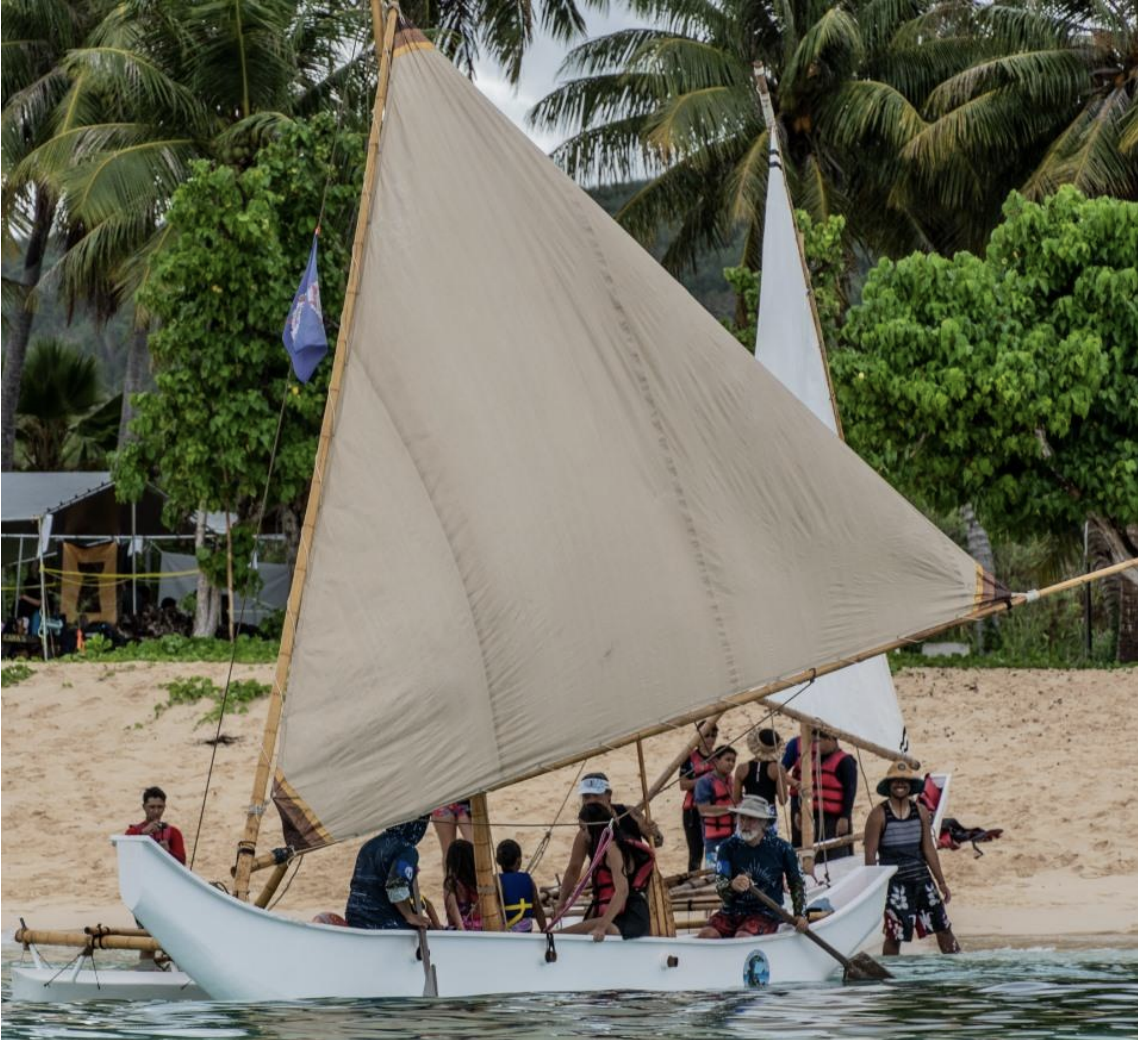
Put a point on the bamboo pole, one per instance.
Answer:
(489, 903)
(760, 694)
(659, 906)
(271, 886)
(772, 127)
(806, 795)
(36, 937)
(248, 844)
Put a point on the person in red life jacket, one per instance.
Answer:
(898, 834)
(167, 835)
(621, 874)
(713, 800)
(699, 762)
(763, 775)
(754, 860)
(835, 789)
(595, 789)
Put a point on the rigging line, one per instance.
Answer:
(363, 32)
(543, 844)
(240, 621)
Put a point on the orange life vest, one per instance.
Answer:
(715, 828)
(827, 787)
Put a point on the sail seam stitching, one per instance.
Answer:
(649, 400)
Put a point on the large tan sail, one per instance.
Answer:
(561, 503)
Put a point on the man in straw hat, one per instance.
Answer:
(753, 860)
(898, 834)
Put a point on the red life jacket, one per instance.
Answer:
(715, 828)
(699, 765)
(827, 786)
(604, 888)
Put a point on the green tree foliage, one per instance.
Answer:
(222, 291)
(1008, 381)
(58, 417)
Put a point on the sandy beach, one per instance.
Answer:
(1045, 755)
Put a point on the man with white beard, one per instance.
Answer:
(751, 861)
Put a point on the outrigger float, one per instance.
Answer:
(555, 510)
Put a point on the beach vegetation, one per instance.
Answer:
(243, 650)
(13, 674)
(196, 688)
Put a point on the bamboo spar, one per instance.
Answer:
(806, 796)
(659, 905)
(248, 844)
(489, 902)
(760, 694)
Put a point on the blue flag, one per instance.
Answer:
(303, 335)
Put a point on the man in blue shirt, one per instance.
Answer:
(383, 882)
(752, 860)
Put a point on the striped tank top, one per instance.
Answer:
(901, 845)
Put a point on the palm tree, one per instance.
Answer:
(56, 416)
(37, 34)
(858, 88)
(1062, 110)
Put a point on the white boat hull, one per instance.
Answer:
(50, 986)
(238, 952)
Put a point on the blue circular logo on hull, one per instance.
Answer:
(757, 970)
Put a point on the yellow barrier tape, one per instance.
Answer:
(126, 577)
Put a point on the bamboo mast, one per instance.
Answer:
(806, 795)
(660, 915)
(760, 694)
(772, 128)
(384, 44)
(489, 903)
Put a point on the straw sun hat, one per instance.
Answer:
(765, 745)
(901, 771)
(754, 806)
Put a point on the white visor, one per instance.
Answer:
(593, 785)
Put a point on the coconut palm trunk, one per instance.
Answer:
(17, 346)
(133, 379)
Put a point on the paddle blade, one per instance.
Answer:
(863, 968)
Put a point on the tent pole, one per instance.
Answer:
(761, 694)
(133, 558)
(43, 593)
(246, 848)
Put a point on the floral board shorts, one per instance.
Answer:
(454, 811)
(914, 906)
(729, 925)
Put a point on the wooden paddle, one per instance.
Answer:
(430, 979)
(861, 968)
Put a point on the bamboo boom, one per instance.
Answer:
(761, 693)
(36, 937)
(248, 844)
(275, 879)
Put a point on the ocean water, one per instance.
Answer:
(1044, 992)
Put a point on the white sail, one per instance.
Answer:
(860, 700)
(560, 504)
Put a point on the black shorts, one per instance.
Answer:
(634, 921)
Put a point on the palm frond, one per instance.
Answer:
(830, 49)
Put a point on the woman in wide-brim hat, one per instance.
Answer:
(898, 834)
(901, 771)
(764, 775)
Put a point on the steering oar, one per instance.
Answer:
(430, 979)
(861, 968)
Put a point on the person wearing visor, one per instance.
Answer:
(595, 789)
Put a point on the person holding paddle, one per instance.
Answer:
(749, 865)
